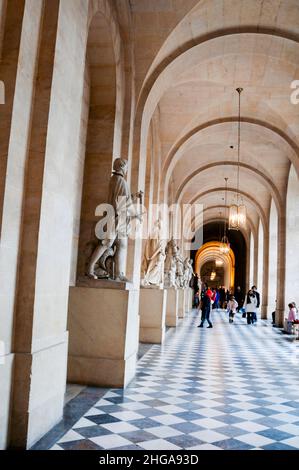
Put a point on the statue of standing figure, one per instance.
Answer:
(179, 267)
(153, 260)
(114, 241)
(188, 271)
(170, 266)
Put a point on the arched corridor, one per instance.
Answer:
(149, 151)
(202, 390)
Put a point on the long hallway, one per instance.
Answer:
(230, 387)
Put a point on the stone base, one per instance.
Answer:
(152, 310)
(172, 307)
(279, 317)
(6, 368)
(181, 305)
(103, 327)
(39, 389)
(188, 299)
(264, 312)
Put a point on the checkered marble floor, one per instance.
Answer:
(235, 386)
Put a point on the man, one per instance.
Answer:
(258, 298)
(222, 297)
(206, 307)
(239, 296)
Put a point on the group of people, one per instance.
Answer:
(221, 298)
(247, 304)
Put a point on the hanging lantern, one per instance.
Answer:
(237, 217)
(224, 245)
(237, 212)
(233, 217)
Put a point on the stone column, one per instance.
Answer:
(16, 114)
(188, 299)
(41, 339)
(172, 306)
(255, 259)
(247, 264)
(152, 311)
(264, 293)
(281, 266)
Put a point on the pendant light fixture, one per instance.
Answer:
(237, 212)
(224, 244)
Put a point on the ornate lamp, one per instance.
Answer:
(224, 243)
(237, 212)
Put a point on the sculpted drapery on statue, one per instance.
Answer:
(188, 271)
(170, 265)
(153, 259)
(180, 273)
(111, 251)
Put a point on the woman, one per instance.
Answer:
(251, 306)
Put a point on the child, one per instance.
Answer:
(232, 306)
(292, 316)
(292, 312)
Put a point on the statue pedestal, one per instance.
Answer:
(182, 300)
(188, 299)
(152, 311)
(172, 307)
(103, 324)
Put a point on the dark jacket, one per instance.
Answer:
(239, 296)
(258, 298)
(205, 302)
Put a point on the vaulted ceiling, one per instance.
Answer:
(190, 86)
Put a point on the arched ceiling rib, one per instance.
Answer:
(191, 90)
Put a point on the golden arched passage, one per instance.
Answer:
(211, 251)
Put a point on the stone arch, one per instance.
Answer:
(258, 174)
(261, 266)
(273, 259)
(292, 231)
(177, 149)
(258, 207)
(102, 120)
(210, 251)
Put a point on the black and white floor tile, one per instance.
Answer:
(235, 386)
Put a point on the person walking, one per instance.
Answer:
(217, 299)
(206, 308)
(239, 296)
(213, 298)
(232, 306)
(196, 299)
(222, 296)
(258, 298)
(251, 305)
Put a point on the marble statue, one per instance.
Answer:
(153, 260)
(170, 265)
(109, 257)
(179, 267)
(188, 271)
